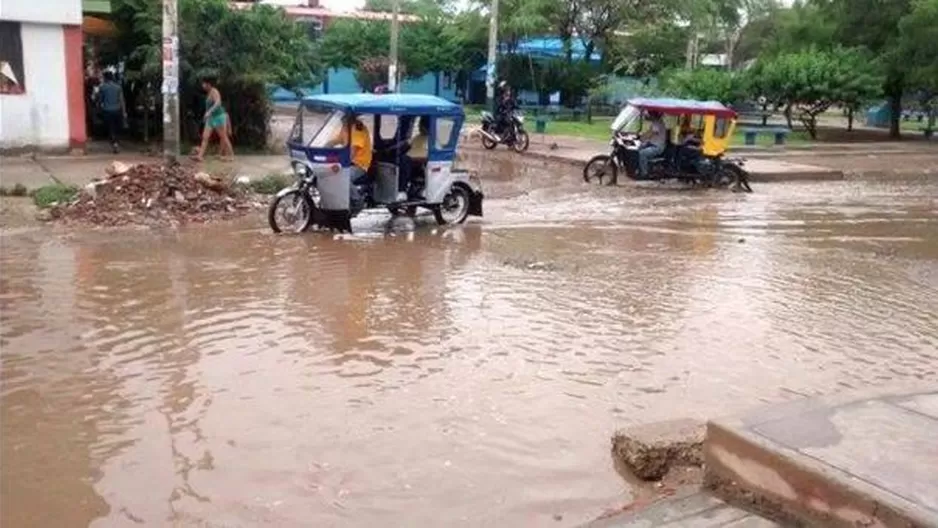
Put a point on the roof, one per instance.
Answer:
(365, 103)
(683, 106)
(96, 6)
(322, 12)
(551, 48)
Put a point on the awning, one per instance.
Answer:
(98, 27)
(96, 6)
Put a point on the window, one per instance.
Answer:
(12, 80)
(388, 128)
(720, 128)
(445, 138)
(323, 127)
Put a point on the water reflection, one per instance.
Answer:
(439, 376)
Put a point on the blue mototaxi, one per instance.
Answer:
(325, 194)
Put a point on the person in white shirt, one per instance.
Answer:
(654, 141)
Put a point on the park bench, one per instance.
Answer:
(750, 134)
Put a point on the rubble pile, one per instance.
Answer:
(155, 194)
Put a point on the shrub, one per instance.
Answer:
(270, 184)
(56, 193)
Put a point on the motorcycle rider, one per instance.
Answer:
(505, 106)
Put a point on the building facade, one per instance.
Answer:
(41, 75)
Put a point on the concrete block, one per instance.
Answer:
(649, 451)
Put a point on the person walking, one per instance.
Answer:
(113, 109)
(216, 122)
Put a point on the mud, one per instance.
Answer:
(17, 213)
(414, 375)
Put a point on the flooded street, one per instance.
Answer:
(471, 376)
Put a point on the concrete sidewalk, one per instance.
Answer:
(859, 459)
(867, 458)
(696, 510)
(80, 170)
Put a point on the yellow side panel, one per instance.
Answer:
(712, 145)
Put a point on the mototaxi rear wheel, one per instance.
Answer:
(455, 206)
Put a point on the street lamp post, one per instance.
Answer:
(493, 55)
(170, 86)
(395, 32)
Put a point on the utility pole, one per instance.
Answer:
(395, 31)
(493, 55)
(170, 87)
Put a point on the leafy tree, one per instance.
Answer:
(918, 44)
(345, 42)
(373, 72)
(705, 84)
(874, 25)
(431, 44)
(648, 50)
(807, 83)
(802, 26)
(409, 7)
(245, 49)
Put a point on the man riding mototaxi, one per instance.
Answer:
(654, 140)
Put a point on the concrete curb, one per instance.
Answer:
(812, 174)
(747, 468)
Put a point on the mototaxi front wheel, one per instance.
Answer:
(488, 144)
(455, 206)
(600, 169)
(290, 212)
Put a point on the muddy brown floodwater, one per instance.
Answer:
(223, 376)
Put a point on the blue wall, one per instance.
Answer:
(342, 80)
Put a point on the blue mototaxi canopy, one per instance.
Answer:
(683, 106)
(386, 104)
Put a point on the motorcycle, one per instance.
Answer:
(515, 137)
(672, 164)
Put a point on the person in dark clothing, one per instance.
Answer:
(504, 107)
(111, 101)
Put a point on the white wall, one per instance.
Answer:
(38, 117)
(42, 11)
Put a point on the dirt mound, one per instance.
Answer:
(155, 194)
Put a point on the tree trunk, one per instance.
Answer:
(895, 117)
(810, 124)
(690, 49)
(850, 119)
(788, 117)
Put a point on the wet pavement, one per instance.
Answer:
(223, 376)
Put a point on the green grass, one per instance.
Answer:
(914, 126)
(56, 193)
(270, 184)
